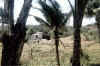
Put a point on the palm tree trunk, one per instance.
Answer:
(13, 44)
(77, 48)
(57, 44)
(98, 22)
(12, 49)
(78, 17)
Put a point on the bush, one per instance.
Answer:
(90, 34)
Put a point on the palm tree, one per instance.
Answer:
(98, 22)
(13, 43)
(55, 20)
(78, 13)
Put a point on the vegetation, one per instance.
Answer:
(78, 13)
(55, 20)
(13, 41)
(69, 46)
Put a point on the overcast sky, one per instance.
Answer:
(64, 6)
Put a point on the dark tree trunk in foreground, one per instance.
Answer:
(13, 43)
(12, 48)
(98, 22)
(77, 48)
(78, 17)
(57, 44)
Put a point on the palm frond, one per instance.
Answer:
(46, 10)
(73, 10)
(42, 21)
(54, 16)
(55, 4)
(1, 12)
(67, 16)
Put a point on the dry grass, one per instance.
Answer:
(43, 54)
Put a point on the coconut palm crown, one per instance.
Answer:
(53, 15)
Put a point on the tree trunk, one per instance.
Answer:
(98, 22)
(13, 43)
(57, 44)
(12, 49)
(78, 17)
(77, 48)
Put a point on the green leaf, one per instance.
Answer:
(41, 21)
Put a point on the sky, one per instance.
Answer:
(65, 7)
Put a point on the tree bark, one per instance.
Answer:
(78, 17)
(57, 44)
(98, 22)
(77, 48)
(12, 48)
(13, 43)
